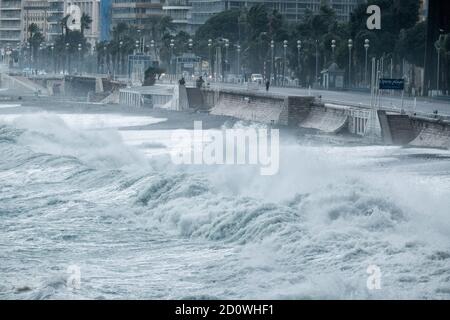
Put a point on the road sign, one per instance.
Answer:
(392, 84)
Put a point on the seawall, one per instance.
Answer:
(388, 127)
(257, 106)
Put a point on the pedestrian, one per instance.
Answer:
(199, 82)
(182, 82)
(267, 85)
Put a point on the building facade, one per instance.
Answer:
(202, 10)
(35, 11)
(10, 23)
(180, 12)
(92, 9)
(55, 14)
(105, 19)
(135, 12)
(292, 10)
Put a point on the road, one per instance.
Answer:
(421, 105)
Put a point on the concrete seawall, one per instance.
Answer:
(402, 129)
(308, 112)
(326, 119)
(257, 106)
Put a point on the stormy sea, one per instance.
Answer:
(95, 189)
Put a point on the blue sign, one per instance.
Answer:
(392, 84)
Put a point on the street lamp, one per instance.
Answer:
(210, 57)
(366, 46)
(272, 48)
(105, 65)
(350, 46)
(171, 45)
(317, 61)
(137, 45)
(120, 57)
(140, 40)
(152, 48)
(52, 47)
(299, 47)
(227, 44)
(67, 58)
(238, 49)
(40, 55)
(437, 45)
(285, 45)
(79, 58)
(333, 46)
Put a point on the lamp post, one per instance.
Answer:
(210, 57)
(79, 58)
(366, 46)
(226, 45)
(272, 48)
(67, 58)
(152, 48)
(104, 60)
(171, 45)
(437, 45)
(238, 49)
(317, 61)
(333, 46)
(299, 47)
(137, 45)
(120, 57)
(29, 54)
(40, 55)
(139, 41)
(285, 45)
(350, 46)
(52, 47)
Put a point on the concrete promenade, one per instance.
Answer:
(351, 98)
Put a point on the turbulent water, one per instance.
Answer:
(74, 192)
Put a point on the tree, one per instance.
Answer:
(151, 74)
(32, 28)
(411, 44)
(85, 22)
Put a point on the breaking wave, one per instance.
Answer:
(85, 197)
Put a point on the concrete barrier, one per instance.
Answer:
(195, 98)
(431, 134)
(327, 119)
(396, 128)
(252, 107)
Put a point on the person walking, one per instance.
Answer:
(199, 82)
(267, 85)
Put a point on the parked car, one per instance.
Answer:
(257, 77)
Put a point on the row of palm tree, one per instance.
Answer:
(128, 39)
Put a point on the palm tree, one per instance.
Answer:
(32, 29)
(64, 24)
(86, 21)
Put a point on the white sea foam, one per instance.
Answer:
(144, 228)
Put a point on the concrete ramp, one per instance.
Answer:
(396, 128)
(22, 83)
(433, 135)
(113, 98)
(251, 108)
(326, 119)
(195, 98)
